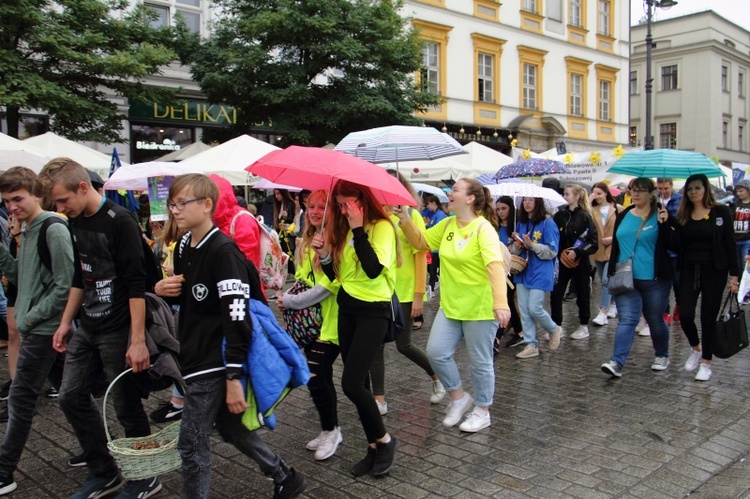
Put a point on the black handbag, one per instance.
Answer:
(730, 335)
(397, 321)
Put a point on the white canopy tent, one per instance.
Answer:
(229, 160)
(55, 146)
(186, 152)
(14, 152)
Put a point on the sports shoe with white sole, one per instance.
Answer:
(438, 391)
(7, 485)
(98, 486)
(660, 364)
(329, 442)
(612, 368)
(140, 489)
(528, 352)
(456, 409)
(554, 338)
(581, 333)
(691, 364)
(476, 420)
(382, 407)
(646, 331)
(704, 372)
(600, 319)
(612, 311)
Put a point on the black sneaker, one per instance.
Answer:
(52, 393)
(516, 341)
(385, 457)
(78, 461)
(166, 413)
(99, 486)
(7, 485)
(292, 486)
(5, 390)
(365, 465)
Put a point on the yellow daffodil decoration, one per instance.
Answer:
(537, 236)
(514, 142)
(596, 157)
(526, 153)
(618, 152)
(568, 158)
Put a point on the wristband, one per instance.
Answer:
(231, 376)
(326, 260)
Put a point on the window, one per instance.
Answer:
(576, 94)
(575, 13)
(633, 136)
(741, 84)
(431, 71)
(668, 135)
(192, 3)
(669, 77)
(634, 83)
(530, 6)
(485, 66)
(724, 134)
(192, 20)
(162, 13)
(725, 79)
(529, 86)
(741, 138)
(604, 87)
(604, 18)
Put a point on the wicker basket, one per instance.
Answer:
(518, 264)
(139, 463)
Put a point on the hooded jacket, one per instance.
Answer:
(572, 225)
(246, 230)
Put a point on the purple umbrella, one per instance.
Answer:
(531, 167)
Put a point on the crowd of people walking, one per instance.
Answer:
(360, 270)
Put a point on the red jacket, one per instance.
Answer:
(246, 229)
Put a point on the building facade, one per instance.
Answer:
(538, 71)
(700, 64)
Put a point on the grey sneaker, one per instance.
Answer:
(660, 364)
(612, 368)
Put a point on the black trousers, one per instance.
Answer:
(709, 283)
(580, 275)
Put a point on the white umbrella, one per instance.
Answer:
(430, 189)
(55, 146)
(229, 160)
(135, 177)
(265, 184)
(392, 144)
(519, 190)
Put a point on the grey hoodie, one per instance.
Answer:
(42, 295)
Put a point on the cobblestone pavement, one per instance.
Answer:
(560, 428)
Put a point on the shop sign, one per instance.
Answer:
(196, 112)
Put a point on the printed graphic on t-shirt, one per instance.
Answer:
(742, 220)
(102, 288)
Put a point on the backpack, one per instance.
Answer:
(273, 261)
(42, 247)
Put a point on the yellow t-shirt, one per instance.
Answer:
(354, 280)
(329, 331)
(406, 274)
(465, 252)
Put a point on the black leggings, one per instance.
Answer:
(320, 359)
(709, 283)
(581, 275)
(359, 339)
(515, 317)
(433, 269)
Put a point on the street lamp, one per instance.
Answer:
(650, 5)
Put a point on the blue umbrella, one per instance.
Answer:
(531, 167)
(490, 179)
(665, 163)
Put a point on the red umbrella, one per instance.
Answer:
(315, 168)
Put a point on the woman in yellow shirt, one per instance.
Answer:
(359, 251)
(473, 298)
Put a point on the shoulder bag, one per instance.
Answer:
(622, 281)
(730, 335)
(304, 324)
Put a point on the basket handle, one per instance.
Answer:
(106, 396)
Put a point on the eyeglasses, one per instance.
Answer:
(180, 205)
(639, 191)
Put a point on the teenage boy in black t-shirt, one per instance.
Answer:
(213, 282)
(108, 288)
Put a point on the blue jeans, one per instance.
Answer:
(479, 337)
(531, 303)
(34, 362)
(86, 355)
(648, 297)
(205, 403)
(742, 248)
(602, 268)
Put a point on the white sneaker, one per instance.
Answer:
(612, 311)
(315, 442)
(476, 420)
(528, 352)
(329, 442)
(641, 324)
(581, 333)
(438, 392)
(691, 364)
(456, 409)
(646, 331)
(704, 372)
(382, 407)
(600, 319)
